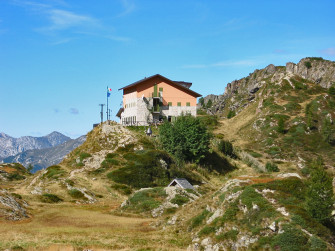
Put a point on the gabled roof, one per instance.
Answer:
(182, 85)
(181, 182)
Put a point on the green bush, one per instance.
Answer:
(308, 64)
(281, 126)
(290, 240)
(15, 176)
(331, 91)
(226, 148)
(83, 156)
(75, 193)
(319, 194)
(187, 139)
(207, 230)
(201, 101)
(54, 172)
(143, 169)
(231, 235)
(328, 131)
(180, 200)
(231, 114)
(124, 189)
(198, 220)
(50, 198)
(271, 167)
(146, 200)
(209, 103)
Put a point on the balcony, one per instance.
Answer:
(157, 95)
(156, 109)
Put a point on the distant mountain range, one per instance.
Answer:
(10, 146)
(40, 152)
(42, 158)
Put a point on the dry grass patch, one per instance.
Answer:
(83, 226)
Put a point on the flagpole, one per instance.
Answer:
(107, 105)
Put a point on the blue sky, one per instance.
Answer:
(58, 56)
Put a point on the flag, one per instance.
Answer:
(108, 92)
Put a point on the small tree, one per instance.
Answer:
(281, 126)
(231, 114)
(30, 168)
(201, 102)
(271, 167)
(328, 131)
(319, 194)
(331, 91)
(308, 64)
(226, 148)
(209, 103)
(187, 139)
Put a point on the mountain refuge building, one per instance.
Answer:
(155, 98)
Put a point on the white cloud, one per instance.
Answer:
(329, 51)
(62, 19)
(64, 25)
(228, 63)
(74, 111)
(128, 7)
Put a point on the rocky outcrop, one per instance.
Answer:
(318, 70)
(12, 208)
(239, 93)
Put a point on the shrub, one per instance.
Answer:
(226, 148)
(331, 91)
(187, 139)
(281, 126)
(15, 176)
(197, 220)
(50, 198)
(83, 156)
(291, 239)
(207, 230)
(124, 189)
(146, 200)
(271, 167)
(308, 64)
(231, 234)
(231, 114)
(75, 193)
(209, 103)
(319, 194)
(180, 200)
(54, 172)
(328, 131)
(201, 101)
(143, 169)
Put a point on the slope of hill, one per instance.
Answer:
(42, 158)
(10, 146)
(283, 113)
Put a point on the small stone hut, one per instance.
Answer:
(181, 183)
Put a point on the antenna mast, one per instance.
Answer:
(102, 112)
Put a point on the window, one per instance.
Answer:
(160, 89)
(188, 104)
(170, 104)
(179, 103)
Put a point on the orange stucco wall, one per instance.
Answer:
(170, 93)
